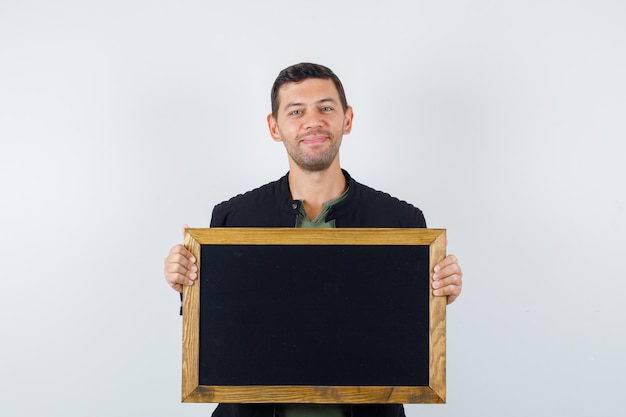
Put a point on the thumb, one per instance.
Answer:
(183, 228)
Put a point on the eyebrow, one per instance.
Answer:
(322, 101)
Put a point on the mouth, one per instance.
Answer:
(314, 138)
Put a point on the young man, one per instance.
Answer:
(310, 115)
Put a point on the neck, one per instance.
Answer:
(315, 188)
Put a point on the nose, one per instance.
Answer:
(311, 120)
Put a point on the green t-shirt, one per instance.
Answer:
(319, 221)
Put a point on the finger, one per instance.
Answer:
(182, 260)
(178, 279)
(452, 280)
(190, 271)
(181, 255)
(448, 260)
(449, 291)
(448, 266)
(184, 227)
(176, 272)
(181, 250)
(448, 280)
(177, 287)
(451, 299)
(447, 272)
(180, 268)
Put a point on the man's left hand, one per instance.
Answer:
(448, 278)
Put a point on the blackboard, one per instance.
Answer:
(306, 315)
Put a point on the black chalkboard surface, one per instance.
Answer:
(305, 315)
(333, 315)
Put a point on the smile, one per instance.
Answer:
(313, 140)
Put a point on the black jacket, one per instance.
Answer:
(271, 205)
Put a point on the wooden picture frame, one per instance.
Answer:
(204, 242)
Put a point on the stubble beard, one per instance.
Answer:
(313, 161)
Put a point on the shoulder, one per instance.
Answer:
(244, 204)
(252, 197)
(266, 206)
(371, 195)
(384, 201)
(368, 207)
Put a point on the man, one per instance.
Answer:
(310, 115)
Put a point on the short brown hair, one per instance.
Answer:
(303, 71)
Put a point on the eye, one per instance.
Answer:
(295, 113)
(327, 108)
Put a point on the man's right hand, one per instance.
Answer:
(180, 268)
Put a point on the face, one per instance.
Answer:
(311, 123)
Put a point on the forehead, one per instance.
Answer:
(307, 91)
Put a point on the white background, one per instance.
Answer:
(504, 121)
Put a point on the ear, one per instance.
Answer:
(273, 127)
(347, 120)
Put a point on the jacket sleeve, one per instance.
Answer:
(218, 216)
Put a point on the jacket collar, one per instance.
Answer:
(291, 206)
